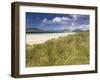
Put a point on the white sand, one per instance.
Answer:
(42, 37)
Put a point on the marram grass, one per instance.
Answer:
(68, 50)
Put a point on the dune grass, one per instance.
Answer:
(68, 50)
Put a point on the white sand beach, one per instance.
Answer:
(38, 38)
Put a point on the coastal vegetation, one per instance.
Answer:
(67, 50)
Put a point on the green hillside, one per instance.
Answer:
(68, 50)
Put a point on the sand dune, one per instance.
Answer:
(41, 38)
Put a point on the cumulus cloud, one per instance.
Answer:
(60, 19)
(72, 20)
(74, 16)
(71, 23)
(84, 27)
(57, 20)
(81, 27)
(44, 20)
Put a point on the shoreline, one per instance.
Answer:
(41, 38)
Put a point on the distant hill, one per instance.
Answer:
(78, 30)
(36, 30)
(66, 30)
(31, 30)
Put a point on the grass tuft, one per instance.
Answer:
(68, 50)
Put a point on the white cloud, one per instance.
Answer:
(75, 17)
(68, 23)
(84, 27)
(44, 20)
(73, 24)
(58, 20)
(65, 18)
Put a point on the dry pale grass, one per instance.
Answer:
(69, 50)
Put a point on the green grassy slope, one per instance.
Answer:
(68, 50)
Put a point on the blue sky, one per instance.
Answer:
(49, 21)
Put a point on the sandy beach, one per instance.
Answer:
(42, 37)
